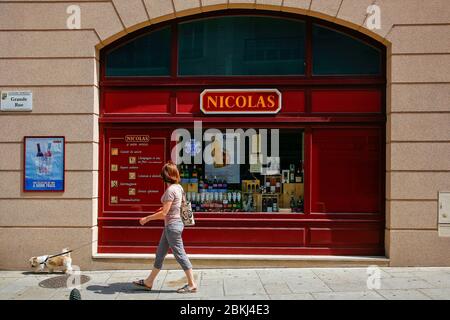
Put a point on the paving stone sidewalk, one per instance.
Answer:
(239, 284)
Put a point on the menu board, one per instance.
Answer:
(133, 166)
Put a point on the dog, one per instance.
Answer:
(61, 263)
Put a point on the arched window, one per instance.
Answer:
(335, 53)
(147, 55)
(243, 45)
(235, 46)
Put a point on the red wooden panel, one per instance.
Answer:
(132, 236)
(344, 237)
(188, 101)
(293, 101)
(136, 102)
(346, 170)
(346, 101)
(146, 249)
(245, 236)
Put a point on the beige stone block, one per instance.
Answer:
(387, 242)
(411, 214)
(420, 156)
(182, 5)
(245, 4)
(100, 16)
(418, 248)
(57, 72)
(159, 10)
(420, 39)
(186, 8)
(425, 97)
(297, 4)
(411, 12)
(46, 213)
(60, 100)
(388, 157)
(418, 185)
(420, 68)
(325, 7)
(269, 4)
(354, 11)
(76, 128)
(388, 128)
(131, 12)
(19, 244)
(11, 156)
(211, 5)
(78, 185)
(48, 44)
(420, 127)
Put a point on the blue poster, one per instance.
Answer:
(44, 164)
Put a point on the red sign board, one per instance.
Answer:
(240, 101)
(133, 165)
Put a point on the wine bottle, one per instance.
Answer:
(292, 203)
(48, 154)
(269, 205)
(215, 183)
(239, 201)
(275, 205)
(209, 184)
(300, 205)
(225, 202)
(298, 177)
(39, 152)
(264, 205)
(267, 186)
(200, 185)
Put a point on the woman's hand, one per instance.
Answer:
(143, 221)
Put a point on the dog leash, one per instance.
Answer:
(69, 251)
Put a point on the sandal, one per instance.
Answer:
(141, 284)
(187, 289)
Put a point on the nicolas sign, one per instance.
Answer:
(240, 101)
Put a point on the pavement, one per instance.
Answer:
(239, 284)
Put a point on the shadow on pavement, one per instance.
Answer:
(119, 287)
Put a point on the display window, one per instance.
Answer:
(248, 171)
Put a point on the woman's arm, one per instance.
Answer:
(158, 215)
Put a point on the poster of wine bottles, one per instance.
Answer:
(44, 164)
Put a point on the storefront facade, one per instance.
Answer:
(342, 107)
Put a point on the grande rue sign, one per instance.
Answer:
(240, 101)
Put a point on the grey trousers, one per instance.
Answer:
(171, 238)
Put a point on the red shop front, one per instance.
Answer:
(319, 87)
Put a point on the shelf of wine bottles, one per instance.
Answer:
(264, 194)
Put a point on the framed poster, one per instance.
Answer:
(44, 164)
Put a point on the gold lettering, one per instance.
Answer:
(212, 101)
(250, 98)
(261, 102)
(244, 102)
(227, 104)
(271, 100)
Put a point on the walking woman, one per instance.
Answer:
(173, 228)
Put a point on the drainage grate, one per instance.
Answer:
(61, 282)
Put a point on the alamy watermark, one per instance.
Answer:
(225, 146)
(74, 19)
